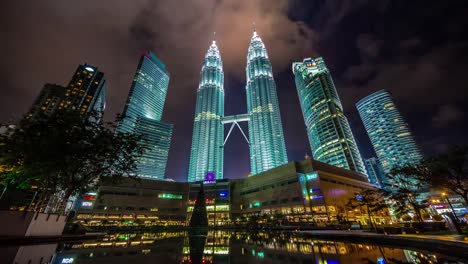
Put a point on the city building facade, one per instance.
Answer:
(328, 129)
(267, 146)
(208, 132)
(143, 112)
(133, 202)
(85, 92)
(388, 131)
(48, 100)
(305, 192)
(374, 171)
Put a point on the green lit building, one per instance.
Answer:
(267, 147)
(328, 129)
(388, 131)
(142, 115)
(208, 131)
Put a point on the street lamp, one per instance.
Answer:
(451, 207)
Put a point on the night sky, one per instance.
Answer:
(418, 50)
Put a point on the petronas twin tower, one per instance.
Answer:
(266, 139)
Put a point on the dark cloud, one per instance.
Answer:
(414, 49)
(447, 115)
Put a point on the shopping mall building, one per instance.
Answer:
(298, 192)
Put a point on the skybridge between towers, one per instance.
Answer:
(234, 121)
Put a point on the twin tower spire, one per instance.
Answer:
(266, 138)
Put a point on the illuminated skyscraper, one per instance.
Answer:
(48, 100)
(86, 92)
(374, 171)
(148, 92)
(142, 115)
(267, 147)
(208, 131)
(389, 133)
(328, 129)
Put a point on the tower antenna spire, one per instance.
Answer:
(214, 36)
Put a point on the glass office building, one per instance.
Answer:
(157, 136)
(388, 131)
(267, 147)
(208, 131)
(142, 115)
(328, 129)
(148, 92)
(374, 171)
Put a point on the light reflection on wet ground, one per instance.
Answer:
(219, 247)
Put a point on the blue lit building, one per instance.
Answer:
(328, 129)
(142, 115)
(157, 136)
(388, 131)
(374, 171)
(208, 131)
(267, 147)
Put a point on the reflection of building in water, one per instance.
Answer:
(216, 248)
(297, 192)
(229, 247)
(125, 248)
(218, 203)
(267, 248)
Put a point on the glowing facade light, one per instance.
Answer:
(329, 133)
(143, 112)
(388, 132)
(89, 69)
(267, 146)
(208, 131)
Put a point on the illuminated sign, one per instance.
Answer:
(86, 204)
(314, 190)
(89, 69)
(223, 194)
(170, 196)
(89, 198)
(314, 197)
(381, 261)
(359, 197)
(210, 176)
(67, 260)
(311, 176)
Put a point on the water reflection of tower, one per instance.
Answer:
(214, 248)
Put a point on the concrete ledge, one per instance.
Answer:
(419, 242)
(16, 223)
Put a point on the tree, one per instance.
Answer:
(447, 171)
(66, 152)
(371, 200)
(406, 193)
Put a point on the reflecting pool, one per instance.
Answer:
(220, 247)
